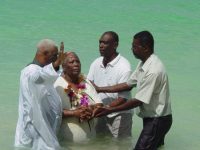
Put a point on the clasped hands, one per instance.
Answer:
(85, 113)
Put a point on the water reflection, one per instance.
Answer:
(102, 143)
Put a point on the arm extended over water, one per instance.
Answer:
(115, 88)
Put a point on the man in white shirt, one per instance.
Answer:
(40, 110)
(110, 69)
(152, 94)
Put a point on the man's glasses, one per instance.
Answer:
(136, 46)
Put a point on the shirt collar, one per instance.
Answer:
(113, 62)
(36, 63)
(145, 66)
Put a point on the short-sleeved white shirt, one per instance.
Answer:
(152, 88)
(117, 71)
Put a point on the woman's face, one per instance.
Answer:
(71, 65)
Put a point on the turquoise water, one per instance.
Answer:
(79, 23)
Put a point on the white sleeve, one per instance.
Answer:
(133, 79)
(90, 75)
(46, 73)
(147, 87)
(124, 75)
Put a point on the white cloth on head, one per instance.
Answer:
(71, 128)
(40, 109)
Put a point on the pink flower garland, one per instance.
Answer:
(79, 98)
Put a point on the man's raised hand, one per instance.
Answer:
(60, 57)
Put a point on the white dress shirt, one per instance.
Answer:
(152, 88)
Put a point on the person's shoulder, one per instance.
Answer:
(157, 67)
(124, 60)
(97, 61)
(59, 80)
(33, 66)
(158, 62)
(123, 63)
(30, 69)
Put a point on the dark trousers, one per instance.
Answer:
(153, 132)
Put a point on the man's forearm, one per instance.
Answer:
(117, 102)
(115, 88)
(130, 104)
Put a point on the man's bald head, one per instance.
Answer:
(45, 44)
(47, 52)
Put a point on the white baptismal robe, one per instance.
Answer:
(40, 110)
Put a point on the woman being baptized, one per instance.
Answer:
(79, 98)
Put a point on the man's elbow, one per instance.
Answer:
(129, 88)
(138, 102)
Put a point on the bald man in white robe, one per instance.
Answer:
(40, 110)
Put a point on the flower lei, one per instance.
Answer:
(78, 97)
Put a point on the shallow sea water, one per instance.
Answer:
(174, 24)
